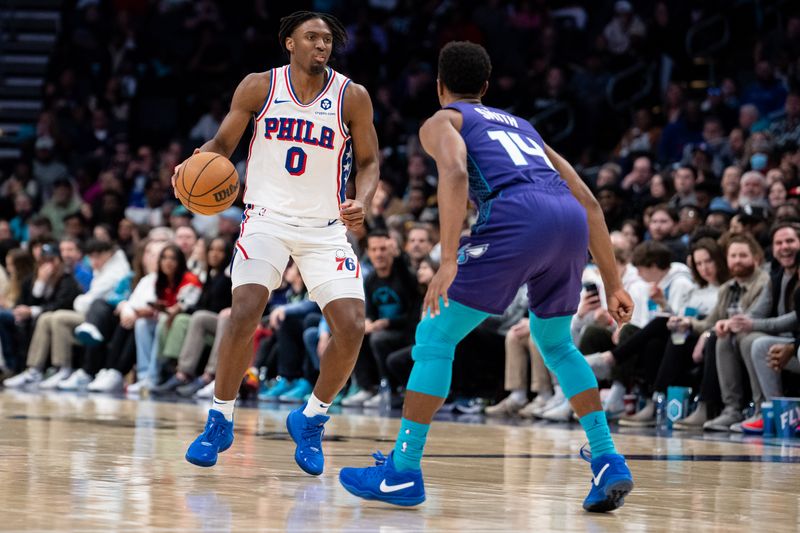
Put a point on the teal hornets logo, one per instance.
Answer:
(471, 251)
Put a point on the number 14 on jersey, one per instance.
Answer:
(516, 146)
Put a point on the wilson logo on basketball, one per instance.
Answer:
(226, 193)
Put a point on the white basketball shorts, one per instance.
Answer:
(327, 263)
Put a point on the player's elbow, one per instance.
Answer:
(454, 172)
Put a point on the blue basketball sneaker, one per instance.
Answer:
(215, 439)
(611, 482)
(382, 482)
(307, 434)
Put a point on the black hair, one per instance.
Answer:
(651, 253)
(74, 240)
(76, 215)
(708, 187)
(691, 168)
(41, 221)
(378, 232)
(162, 282)
(666, 209)
(464, 67)
(781, 225)
(717, 255)
(225, 260)
(290, 22)
(95, 246)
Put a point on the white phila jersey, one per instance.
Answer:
(301, 154)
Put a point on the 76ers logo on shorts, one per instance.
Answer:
(343, 262)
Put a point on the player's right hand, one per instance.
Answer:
(178, 169)
(437, 288)
(620, 306)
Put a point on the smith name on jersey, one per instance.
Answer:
(300, 155)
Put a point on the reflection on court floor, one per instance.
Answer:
(84, 463)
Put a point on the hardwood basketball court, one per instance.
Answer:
(97, 463)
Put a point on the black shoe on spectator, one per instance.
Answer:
(168, 386)
(188, 390)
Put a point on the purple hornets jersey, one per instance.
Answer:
(530, 228)
(503, 151)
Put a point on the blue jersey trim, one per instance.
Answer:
(482, 192)
(347, 167)
(325, 87)
(342, 125)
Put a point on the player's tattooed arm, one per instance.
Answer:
(620, 305)
(440, 137)
(359, 118)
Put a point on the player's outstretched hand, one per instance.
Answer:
(352, 213)
(178, 169)
(437, 288)
(620, 306)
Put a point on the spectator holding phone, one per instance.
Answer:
(177, 289)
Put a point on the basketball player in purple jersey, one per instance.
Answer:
(310, 124)
(532, 228)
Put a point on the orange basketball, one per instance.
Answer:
(207, 183)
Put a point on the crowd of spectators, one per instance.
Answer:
(698, 178)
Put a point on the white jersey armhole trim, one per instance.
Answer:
(268, 99)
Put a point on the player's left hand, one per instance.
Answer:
(620, 306)
(437, 288)
(352, 213)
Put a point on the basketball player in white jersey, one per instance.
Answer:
(311, 124)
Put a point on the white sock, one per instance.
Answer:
(315, 407)
(519, 396)
(224, 407)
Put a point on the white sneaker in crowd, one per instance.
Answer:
(533, 408)
(555, 400)
(136, 388)
(107, 380)
(78, 380)
(29, 376)
(614, 402)
(52, 382)
(358, 399)
(88, 334)
(206, 393)
(560, 413)
(372, 403)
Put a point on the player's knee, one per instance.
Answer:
(432, 352)
(246, 312)
(350, 333)
(428, 333)
(346, 321)
(432, 343)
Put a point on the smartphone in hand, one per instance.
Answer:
(590, 287)
(157, 305)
